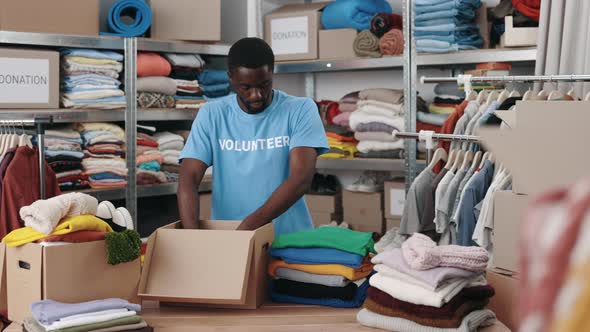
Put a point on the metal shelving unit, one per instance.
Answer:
(364, 164)
(81, 115)
(142, 191)
(156, 114)
(422, 60)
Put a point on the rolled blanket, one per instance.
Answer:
(356, 14)
(44, 215)
(392, 43)
(366, 44)
(384, 22)
(157, 84)
(152, 64)
(421, 253)
(154, 100)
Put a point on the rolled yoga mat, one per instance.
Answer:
(139, 10)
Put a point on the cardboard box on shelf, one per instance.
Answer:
(54, 16)
(395, 197)
(205, 206)
(505, 303)
(391, 223)
(292, 31)
(323, 218)
(509, 211)
(192, 20)
(554, 128)
(337, 44)
(70, 273)
(324, 203)
(364, 211)
(518, 37)
(29, 78)
(170, 276)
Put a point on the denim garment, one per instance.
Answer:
(474, 39)
(446, 29)
(422, 7)
(466, 16)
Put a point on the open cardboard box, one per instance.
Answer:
(71, 273)
(545, 150)
(215, 266)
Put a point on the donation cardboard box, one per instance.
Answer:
(193, 20)
(509, 211)
(395, 198)
(29, 78)
(337, 43)
(364, 211)
(505, 302)
(70, 17)
(323, 218)
(215, 266)
(391, 223)
(292, 31)
(71, 273)
(324, 203)
(518, 36)
(544, 150)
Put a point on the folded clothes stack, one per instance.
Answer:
(342, 143)
(326, 266)
(171, 166)
(149, 159)
(64, 155)
(170, 146)
(214, 83)
(104, 161)
(100, 315)
(90, 79)
(380, 113)
(154, 88)
(446, 26)
(422, 287)
(186, 68)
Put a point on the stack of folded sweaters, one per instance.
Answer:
(325, 266)
(214, 83)
(446, 26)
(185, 73)
(342, 143)
(170, 146)
(447, 98)
(90, 79)
(148, 157)
(154, 88)
(101, 315)
(380, 113)
(104, 160)
(422, 287)
(346, 106)
(64, 155)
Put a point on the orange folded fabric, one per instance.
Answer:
(341, 138)
(152, 64)
(76, 237)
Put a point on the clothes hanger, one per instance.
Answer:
(3, 140)
(472, 96)
(458, 161)
(542, 95)
(514, 94)
(528, 94)
(555, 95)
(483, 159)
(483, 94)
(476, 159)
(13, 143)
(24, 139)
(492, 96)
(452, 155)
(438, 155)
(503, 96)
(587, 98)
(467, 160)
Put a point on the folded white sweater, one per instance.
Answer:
(386, 109)
(471, 323)
(94, 94)
(360, 117)
(411, 293)
(367, 146)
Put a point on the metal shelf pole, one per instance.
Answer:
(409, 89)
(131, 126)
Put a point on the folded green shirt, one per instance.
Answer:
(359, 243)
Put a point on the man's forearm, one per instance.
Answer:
(188, 206)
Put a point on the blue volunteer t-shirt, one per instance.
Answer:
(250, 154)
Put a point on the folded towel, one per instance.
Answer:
(83, 127)
(91, 53)
(385, 22)
(367, 146)
(154, 100)
(472, 322)
(357, 118)
(149, 157)
(157, 84)
(86, 320)
(366, 44)
(152, 64)
(167, 137)
(392, 43)
(151, 166)
(94, 94)
(102, 104)
(374, 136)
(356, 14)
(90, 61)
(185, 60)
(73, 65)
(186, 83)
(422, 253)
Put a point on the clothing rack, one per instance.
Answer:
(518, 78)
(40, 124)
(429, 137)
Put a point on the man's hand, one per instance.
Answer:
(302, 165)
(191, 175)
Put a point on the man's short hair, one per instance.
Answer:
(250, 53)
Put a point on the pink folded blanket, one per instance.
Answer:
(145, 158)
(421, 253)
(392, 43)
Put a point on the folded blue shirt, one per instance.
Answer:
(98, 101)
(317, 256)
(92, 53)
(358, 300)
(212, 77)
(443, 20)
(89, 77)
(106, 176)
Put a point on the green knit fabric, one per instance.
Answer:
(123, 247)
(359, 243)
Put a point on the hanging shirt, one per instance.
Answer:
(427, 220)
(20, 187)
(447, 203)
(471, 109)
(474, 193)
(250, 153)
(415, 201)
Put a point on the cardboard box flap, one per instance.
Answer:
(24, 268)
(508, 117)
(205, 265)
(300, 8)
